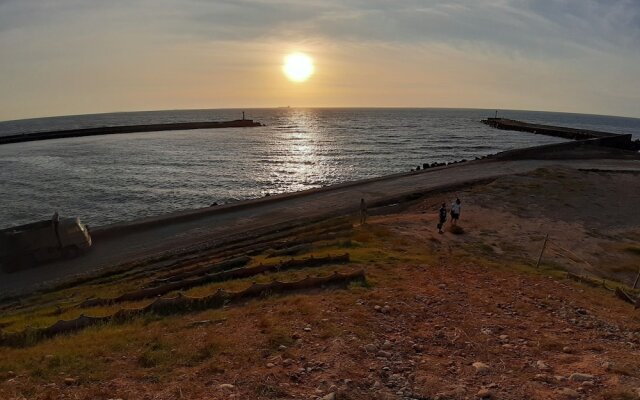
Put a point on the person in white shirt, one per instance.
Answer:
(455, 211)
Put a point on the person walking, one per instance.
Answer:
(363, 212)
(455, 211)
(55, 220)
(442, 213)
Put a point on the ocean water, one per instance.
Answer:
(105, 179)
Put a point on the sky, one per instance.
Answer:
(62, 57)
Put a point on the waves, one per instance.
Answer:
(122, 177)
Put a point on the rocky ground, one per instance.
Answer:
(446, 316)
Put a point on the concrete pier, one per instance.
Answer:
(110, 130)
(622, 141)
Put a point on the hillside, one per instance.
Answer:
(451, 316)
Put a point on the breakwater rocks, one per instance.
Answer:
(110, 130)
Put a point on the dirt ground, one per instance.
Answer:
(442, 316)
(592, 219)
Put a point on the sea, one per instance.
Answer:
(113, 178)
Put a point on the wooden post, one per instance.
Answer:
(542, 251)
(637, 277)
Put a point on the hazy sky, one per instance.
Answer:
(83, 56)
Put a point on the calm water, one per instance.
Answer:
(112, 178)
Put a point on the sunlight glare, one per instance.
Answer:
(298, 67)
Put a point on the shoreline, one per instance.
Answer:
(120, 244)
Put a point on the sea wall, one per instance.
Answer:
(609, 147)
(110, 130)
(608, 139)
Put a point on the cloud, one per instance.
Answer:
(585, 51)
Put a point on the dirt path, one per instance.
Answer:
(339, 199)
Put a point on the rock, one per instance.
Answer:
(201, 323)
(386, 310)
(387, 345)
(568, 393)
(330, 396)
(11, 374)
(578, 377)
(282, 347)
(270, 365)
(377, 308)
(226, 386)
(567, 349)
(542, 378)
(307, 329)
(587, 384)
(384, 354)
(481, 368)
(504, 337)
(370, 348)
(287, 362)
(484, 394)
(70, 381)
(542, 366)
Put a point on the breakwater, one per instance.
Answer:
(110, 130)
(608, 139)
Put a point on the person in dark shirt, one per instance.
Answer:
(443, 217)
(56, 223)
(363, 212)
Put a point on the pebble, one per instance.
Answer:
(542, 366)
(384, 354)
(484, 394)
(307, 329)
(330, 396)
(370, 348)
(578, 377)
(567, 349)
(270, 365)
(568, 393)
(69, 381)
(386, 310)
(377, 308)
(387, 345)
(541, 378)
(227, 386)
(481, 368)
(287, 362)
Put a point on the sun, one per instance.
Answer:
(298, 67)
